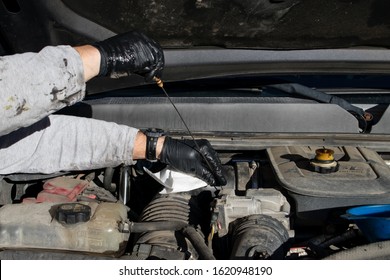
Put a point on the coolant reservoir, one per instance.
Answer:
(35, 226)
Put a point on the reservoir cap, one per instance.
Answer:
(73, 213)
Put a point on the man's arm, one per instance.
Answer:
(25, 91)
(90, 57)
(64, 144)
(34, 85)
(67, 143)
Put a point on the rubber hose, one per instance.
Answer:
(372, 251)
(107, 180)
(156, 226)
(205, 253)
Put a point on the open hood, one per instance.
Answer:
(205, 38)
(264, 24)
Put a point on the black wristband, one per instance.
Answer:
(152, 136)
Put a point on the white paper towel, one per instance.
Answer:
(174, 182)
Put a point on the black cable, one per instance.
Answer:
(320, 96)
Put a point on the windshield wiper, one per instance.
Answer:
(364, 118)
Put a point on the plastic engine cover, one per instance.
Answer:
(34, 226)
(362, 177)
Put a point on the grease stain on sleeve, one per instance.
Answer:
(11, 100)
(21, 108)
(15, 106)
(55, 92)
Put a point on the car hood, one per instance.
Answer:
(264, 24)
(205, 38)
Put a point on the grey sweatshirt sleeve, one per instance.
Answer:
(65, 143)
(34, 85)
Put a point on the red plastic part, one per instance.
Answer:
(61, 189)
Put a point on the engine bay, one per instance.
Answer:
(302, 129)
(283, 202)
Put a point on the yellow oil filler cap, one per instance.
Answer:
(324, 161)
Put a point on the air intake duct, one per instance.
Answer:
(258, 237)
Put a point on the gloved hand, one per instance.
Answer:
(183, 155)
(131, 52)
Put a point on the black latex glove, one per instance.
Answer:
(131, 52)
(183, 155)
